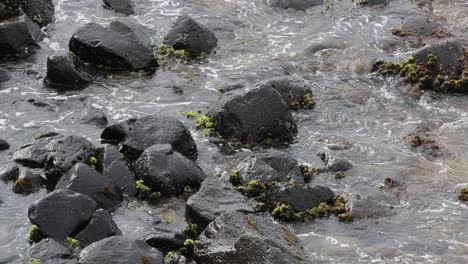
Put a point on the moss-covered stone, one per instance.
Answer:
(235, 178)
(346, 217)
(145, 192)
(192, 231)
(309, 172)
(253, 188)
(206, 123)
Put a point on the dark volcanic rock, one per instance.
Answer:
(120, 6)
(101, 226)
(18, 36)
(189, 35)
(449, 55)
(64, 153)
(137, 134)
(295, 4)
(86, 180)
(256, 116)
(93, 115)
(237, 238)
(215, 198)
(62, 72)
(50, 251)
(4, 145)
(40, 11)
(167, 171)
(116, 168)
(271, 165)
(34, 154)
(120, 250)
(339, 165)
(374, 2)
(133, 30)
(108, 48)
(27, 182)
(62, 213)
(9, 173)
(300, 197)
(292, 90)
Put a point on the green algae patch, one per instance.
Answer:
(74, 243)
(145, 192)
(424, 76)
(35, 235)
(253, 188)
(206, 123)
(235, 178)
(309, 172)
(302, 102)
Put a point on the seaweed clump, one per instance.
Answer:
(309, 172)
(463, 195)
(165, 53)
(35, 235)
(302, 102)
(424, 76)
(145, 192)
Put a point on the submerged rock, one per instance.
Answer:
(116, 168)
(371, 207)
(86, 180)
(50, 251)
(62, 213)
(94, 116)
(269, 166)
(420, 25)
(4, 145)
(27, 182)
(120, 6)
(101, 226)
(296, 93)
(167, 171)
(137, 134)
(40, 11)
(256, 116)
(450, 56)
(63, 72)
(374, 2)
(64, 153)
(189, 35)
(111, 49)
(9, 173)
(120, 250)
(295, 4)
(238, 238)
(4, 75)
(18, 36)
(215, 198)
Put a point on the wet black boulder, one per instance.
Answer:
(215, 198)
(9, 173)
(93, 116)
(256, 116)
(62, 213)
(238, 238)
(86, 180)
(301, 197)
(295, 4)
(120, 6)
(271, 165)
(50, 251)
(64, 153)
(449, 54)
(137, 134)
(116, 168)
(18, 36)
(293, 91)
(34, 154)
(374, 2)
(27, 182)
(101, 226)
(4, 145)
(4, 76)
(166, 170)
(64, 73)
(133, 30)
(111, 49)
(187, 34)
(40, 11)
(419, 25)
(120, 250)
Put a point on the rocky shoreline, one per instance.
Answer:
(244, 214)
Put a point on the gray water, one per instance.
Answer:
(355, 108)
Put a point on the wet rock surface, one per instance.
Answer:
(296, 93)
(420, 25)
(115, 167)
(27, 182)
(93, 116)
(9, 173)
(4, 145)
(62, 213)
(295, 4)
(236, 237)
(40, 11)
(81, 178)
(256, 116)
(300, 197)
(101, 226)
(19, 36)
(215, 198)
(104, 47)
(34, 154)
(167, 171)
(120, 6)
(64, 73)
(120, 250)
(187, 34)
(51, 251)
(137, 134)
